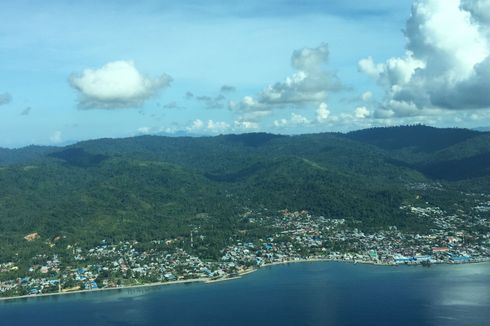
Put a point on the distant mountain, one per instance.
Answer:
(154, 187)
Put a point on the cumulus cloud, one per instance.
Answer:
(322, 113)
(5, 98)
(478, 8)
(295, 120)
(309, 84)
(357, 118)
(447, 62)
(362, 112)
(298, 119)
(250, 112)
(144, 130)
(196, 125)
(324, 117)
(217, 126)
(116, 85)
(210, 126)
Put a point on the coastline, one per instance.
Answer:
(210, 280)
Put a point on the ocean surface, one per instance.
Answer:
(320, 293)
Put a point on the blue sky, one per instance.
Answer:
(90, 69)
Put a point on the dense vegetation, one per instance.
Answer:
(151, 187)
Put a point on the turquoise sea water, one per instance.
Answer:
(320, 293)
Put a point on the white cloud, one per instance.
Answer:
(298, 119)
(251, 107)
(209, 126)
(362, 112)
(196, 125)
(325, 118)
(322, 113)
(358, 118)
(395, 71)
(309, 84)
(217, 126)
(144, 130)
(250, 112)
(56, 137)
(295, 120)
(447, 64)
(117, 84)
(368, 67)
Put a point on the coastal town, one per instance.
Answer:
(297, 236)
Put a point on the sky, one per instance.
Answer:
(76, 70)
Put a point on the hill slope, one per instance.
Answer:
(152, 187)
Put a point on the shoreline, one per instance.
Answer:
(211, 281)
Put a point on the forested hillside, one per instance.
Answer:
(153, 187)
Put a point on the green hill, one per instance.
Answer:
(153, 187)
